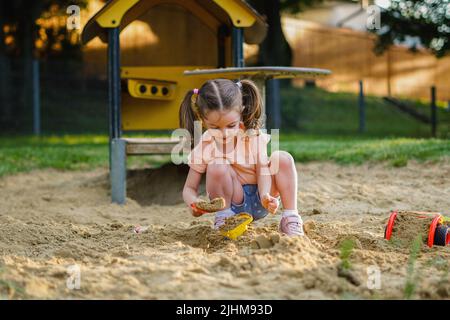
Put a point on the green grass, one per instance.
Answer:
(319, 112)
(80, 152)
(24, 157)
(348, 150)
(69, 152)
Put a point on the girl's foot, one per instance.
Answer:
(291, 225)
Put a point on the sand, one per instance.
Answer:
(53, 222)
(233, 222)
(213, 205)
(409, 225)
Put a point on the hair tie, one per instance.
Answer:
(194, 106)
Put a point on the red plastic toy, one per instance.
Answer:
(438, 233)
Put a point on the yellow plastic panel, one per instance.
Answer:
(112, 17)
(156, 114)
(151, 89)
(238, 12)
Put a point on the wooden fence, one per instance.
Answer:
(348, 53)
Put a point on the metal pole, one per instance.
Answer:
(238, 47)
(113, 86)
(114, 82)
(362, 108)
(273, 102)
(222, 33)
(118, 172)
(117, 146)
(433, 112)
(36, 98)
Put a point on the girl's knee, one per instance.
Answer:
(281, 159)
(217, 170)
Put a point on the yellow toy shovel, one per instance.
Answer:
(236, 225)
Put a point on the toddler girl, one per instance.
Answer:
(233, 154)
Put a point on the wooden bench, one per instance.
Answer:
(121, 148)
(145, 146)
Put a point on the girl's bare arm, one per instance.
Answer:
(262, 170)
(264, 181)
(190, 190)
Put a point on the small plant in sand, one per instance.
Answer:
(8, 289)
(346, 249)
(412, 276)
(344, 267)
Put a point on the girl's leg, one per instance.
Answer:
(284, 179)
(221, 181)
(284, 183)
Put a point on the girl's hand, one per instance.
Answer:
(270, 203)
(196, 212)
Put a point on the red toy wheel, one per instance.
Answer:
(390, 225)
(432, 231)
(442, 235)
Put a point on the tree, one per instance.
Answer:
(31, 30)
(275, 50)
(421, 22)
(37, 26)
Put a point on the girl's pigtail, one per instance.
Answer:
(251, 99)
(187, 115)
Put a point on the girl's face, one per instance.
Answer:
(224, 124)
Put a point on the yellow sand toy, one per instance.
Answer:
(235, 226)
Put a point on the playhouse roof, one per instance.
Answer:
(230, 12)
